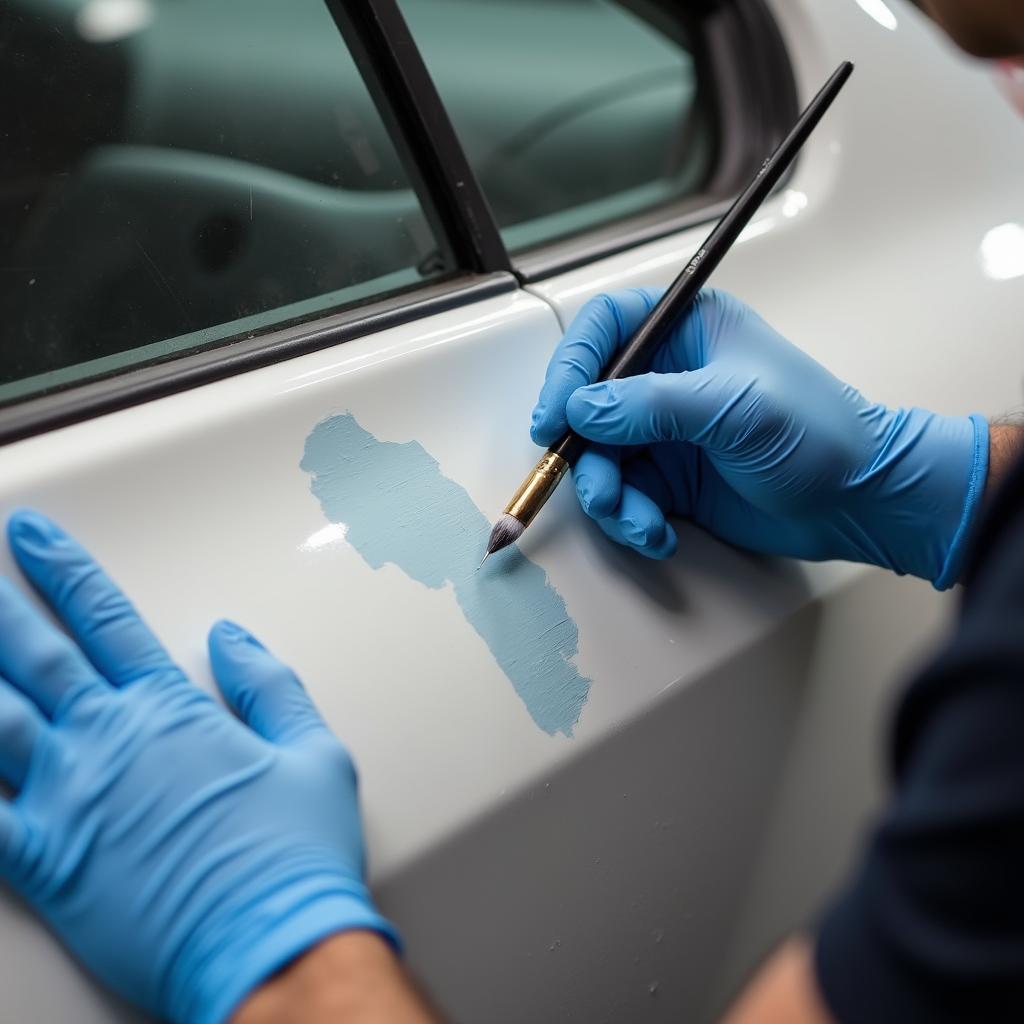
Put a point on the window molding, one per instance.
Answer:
(396, 76)
(182, 373)
(743, 54)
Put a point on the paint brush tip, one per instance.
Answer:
(506, 531)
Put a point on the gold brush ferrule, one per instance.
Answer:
(537, 488)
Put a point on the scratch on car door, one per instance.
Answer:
(399, 508)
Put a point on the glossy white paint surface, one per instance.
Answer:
(724, 756)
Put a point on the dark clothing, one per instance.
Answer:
(932, 927)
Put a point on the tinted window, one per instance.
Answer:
(573, 112)
(174, 173)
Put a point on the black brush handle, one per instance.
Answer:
(635, 356)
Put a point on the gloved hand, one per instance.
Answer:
(745, 434)
(181, 855)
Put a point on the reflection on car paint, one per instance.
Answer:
(1002, 252)
(397, 507)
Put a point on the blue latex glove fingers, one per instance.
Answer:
(598, 481)
(621, 504)
(264, 693)
(636, 519)
(643, 473)
(99, 616)
(653, 407)
(764, 446)
(20, 727)
(38, 658)
(181, 857)
(12, 838)
(638, 523)
(602, 326)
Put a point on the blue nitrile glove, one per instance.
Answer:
(748, 436)
(181, 855)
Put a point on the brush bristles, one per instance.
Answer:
(507, 530)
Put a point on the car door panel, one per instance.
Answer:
(873, 259)
(200, 508)
(201, 505)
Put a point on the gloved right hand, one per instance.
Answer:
(748, 436)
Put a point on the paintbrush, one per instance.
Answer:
(637, 353)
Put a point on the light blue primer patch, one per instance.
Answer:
(399, 508)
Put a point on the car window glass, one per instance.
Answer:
(573, 113)
(174, 173)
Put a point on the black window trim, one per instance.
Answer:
(182, 373)
(758, 105)
(389, 60)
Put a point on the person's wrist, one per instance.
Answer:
(1006, 443)
(915, 506)
(266, 926)
(328, 982)
(354, 978)
(973, 500)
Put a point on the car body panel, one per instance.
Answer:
(725, 758)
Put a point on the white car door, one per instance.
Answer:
(586, 777)
(737, 713)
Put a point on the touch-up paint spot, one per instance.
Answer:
(397, 507)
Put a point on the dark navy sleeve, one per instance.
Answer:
(931, 928)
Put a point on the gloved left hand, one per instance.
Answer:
(181, 855)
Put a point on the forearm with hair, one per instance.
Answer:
(1006, 443)
(352, 978)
